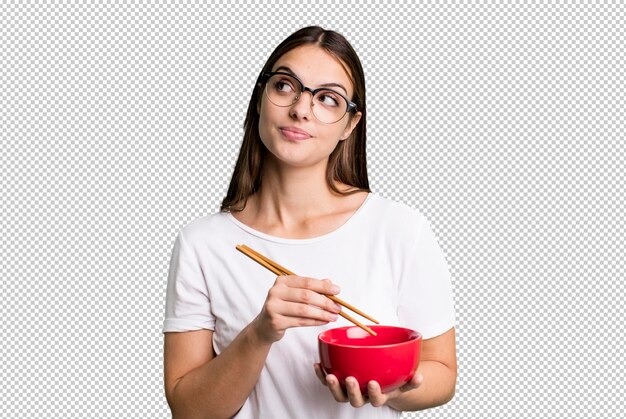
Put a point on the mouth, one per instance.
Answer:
(294, 134)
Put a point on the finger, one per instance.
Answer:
(306, 312)
(375, 394)
(335, 389)
(319, 373)
(305, 296)
(302, 322)
(414, 383)
(354, 392)
(334, 288)
(321, 286)
(283, 300)
(279, 322)
(299, 289)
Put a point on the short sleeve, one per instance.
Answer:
(425, 301)
(187, 304)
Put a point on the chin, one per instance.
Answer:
(296, 160)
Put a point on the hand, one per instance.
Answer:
(295, 301)
(353, 394)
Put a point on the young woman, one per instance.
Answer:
(241, 342)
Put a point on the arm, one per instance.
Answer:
(439, 371)
(199, 384)
(433, 384)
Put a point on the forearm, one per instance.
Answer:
(437, 388)
(219, 388)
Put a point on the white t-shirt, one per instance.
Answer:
(385, 258)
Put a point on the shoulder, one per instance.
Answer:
(206, 227)
(394, 214)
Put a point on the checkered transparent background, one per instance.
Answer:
(504, 124)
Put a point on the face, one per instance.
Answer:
(314, 67)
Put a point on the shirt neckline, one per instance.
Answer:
(309, 240)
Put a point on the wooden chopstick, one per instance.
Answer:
(280, 270)
(245, 249)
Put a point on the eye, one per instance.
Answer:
(329, 98)
(283, 86)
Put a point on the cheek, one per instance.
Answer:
(341, 130)
(264, 121)
(332, 133)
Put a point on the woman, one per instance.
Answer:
(241, 342)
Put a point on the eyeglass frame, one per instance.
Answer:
(350, 106)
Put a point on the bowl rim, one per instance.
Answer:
(418, 337)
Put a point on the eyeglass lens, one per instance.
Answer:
(327, 105)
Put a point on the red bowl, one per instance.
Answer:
(390, 358)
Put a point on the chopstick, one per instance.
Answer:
(247, 250)
(280, 270)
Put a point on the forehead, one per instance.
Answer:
(315, 67)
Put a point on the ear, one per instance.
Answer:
(351, 125)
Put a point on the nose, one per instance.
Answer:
(301, 108)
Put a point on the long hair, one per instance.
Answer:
(347, 163)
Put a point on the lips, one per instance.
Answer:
(293, 133)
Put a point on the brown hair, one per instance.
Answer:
(347, 163)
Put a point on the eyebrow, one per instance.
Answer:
(290, 71)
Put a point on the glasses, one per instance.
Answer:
(328, 106)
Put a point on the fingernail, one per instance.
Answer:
(335, 289)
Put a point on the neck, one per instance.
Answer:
(292, 195)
